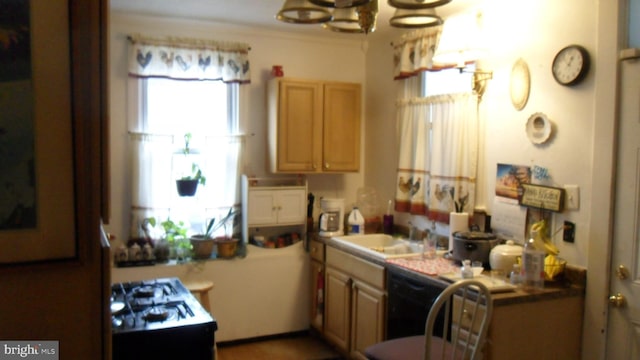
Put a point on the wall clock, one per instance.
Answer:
(570, 65)
(520, 84)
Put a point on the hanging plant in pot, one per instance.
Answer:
(203, 243)
(188, 184)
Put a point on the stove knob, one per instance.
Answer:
(116, 322)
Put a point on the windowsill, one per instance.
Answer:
(253, 252)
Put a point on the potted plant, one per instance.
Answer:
(188, 184)
(175, 236)
(203, 243)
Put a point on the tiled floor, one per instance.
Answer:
(295, 347)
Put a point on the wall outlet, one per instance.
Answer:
(572, 197)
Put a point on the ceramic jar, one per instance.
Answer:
(502, 257)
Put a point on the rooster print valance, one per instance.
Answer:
(189, 59)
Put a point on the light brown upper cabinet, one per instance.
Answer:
(314, 126)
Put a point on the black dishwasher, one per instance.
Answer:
(409, 301)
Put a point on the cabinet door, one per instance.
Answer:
(317, 294)
(262, 208)
(299, 126)
(341, 133)
(291, 206)
(337, 316)
(367, 317)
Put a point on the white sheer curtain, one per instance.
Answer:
(438, 157)
(156, 161)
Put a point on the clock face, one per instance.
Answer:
(570, 65)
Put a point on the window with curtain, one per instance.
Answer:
(437, 122)
(170, 99)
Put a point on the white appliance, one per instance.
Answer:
(331, 222)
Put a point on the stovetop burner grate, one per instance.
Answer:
(160, 303)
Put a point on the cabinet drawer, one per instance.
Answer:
(316, 250)
(359, 268)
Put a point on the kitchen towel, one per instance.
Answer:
(457, 222)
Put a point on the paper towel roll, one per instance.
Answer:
(457, 222)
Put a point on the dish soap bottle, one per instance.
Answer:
(532, 270)
(356, 222)
(387, 220)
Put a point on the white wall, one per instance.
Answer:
(581, 150)
(328, 58)
(533, 30)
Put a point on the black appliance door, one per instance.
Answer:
(409, 302)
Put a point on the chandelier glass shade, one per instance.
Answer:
(344, 20)
(359, 16)
(417, 4)
(339, 3)
(417, 18)
(303, 12)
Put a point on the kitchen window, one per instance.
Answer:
(446, 81)
(184, 93)
(438, 136)
(164, 112)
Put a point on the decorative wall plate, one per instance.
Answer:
(538, 128)
(520, 84)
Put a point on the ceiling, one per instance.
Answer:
(257, 13)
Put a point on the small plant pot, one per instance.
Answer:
(227, 247)
(161, 250)
(202, 247)
(187, 187)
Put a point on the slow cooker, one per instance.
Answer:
(473, 245)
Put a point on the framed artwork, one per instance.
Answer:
(37, 182)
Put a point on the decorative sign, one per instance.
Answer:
(541, 197)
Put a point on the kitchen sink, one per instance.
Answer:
(380, 245)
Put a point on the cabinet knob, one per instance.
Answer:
(314, 166)
(326, 165)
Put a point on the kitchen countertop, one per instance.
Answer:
(573, 283)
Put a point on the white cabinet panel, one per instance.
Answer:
(272, 207)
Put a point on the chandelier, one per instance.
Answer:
(359, 16)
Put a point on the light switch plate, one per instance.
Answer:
(572, 197)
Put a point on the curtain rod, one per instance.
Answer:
(137, 133)
(416, 34)
(189, 42)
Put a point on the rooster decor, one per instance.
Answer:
(405, 186)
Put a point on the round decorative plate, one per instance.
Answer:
(520, 84)
(538, 128)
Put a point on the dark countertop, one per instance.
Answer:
(572, 284)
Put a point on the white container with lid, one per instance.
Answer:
(502, 257)
(356, 222)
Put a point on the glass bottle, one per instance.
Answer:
(515, 275)
(467, 271)
(532, 269)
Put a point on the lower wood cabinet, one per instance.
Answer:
(545, 328)
(355, 302)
